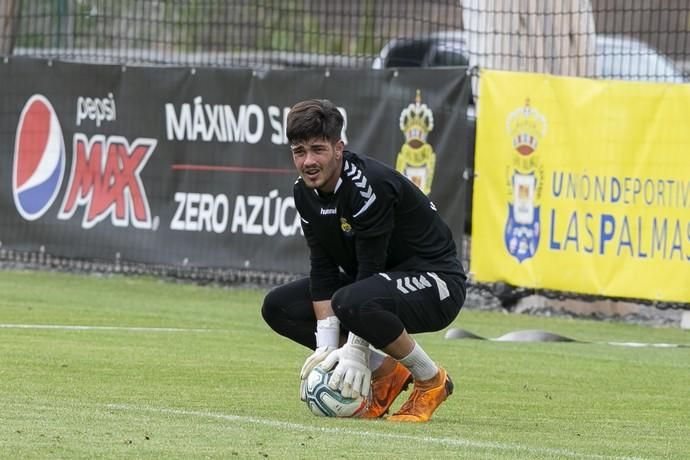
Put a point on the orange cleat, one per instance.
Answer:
(425, 399)
(385, 388)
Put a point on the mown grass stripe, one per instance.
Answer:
(450, 442)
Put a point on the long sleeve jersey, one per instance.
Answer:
(376, 220)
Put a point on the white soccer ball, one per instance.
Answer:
(326, 402)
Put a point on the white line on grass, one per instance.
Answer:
(644, 344)
(451, 442)
(102, 328)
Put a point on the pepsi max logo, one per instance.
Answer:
(39, 158)
(105, 173)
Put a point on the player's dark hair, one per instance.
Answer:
(314, 119)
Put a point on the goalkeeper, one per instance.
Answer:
(383, 266)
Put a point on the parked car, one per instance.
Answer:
(437, 50)
(621, 58)
(617, 58)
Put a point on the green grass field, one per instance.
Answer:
(166, 370)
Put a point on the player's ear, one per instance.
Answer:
(339, 147)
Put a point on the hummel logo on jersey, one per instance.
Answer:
(409, 284)
(327, 212)
(412, 283)
(360, 181)
(354, 173)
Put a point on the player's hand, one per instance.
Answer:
(327, 339)
(351, 374)
(312, 361)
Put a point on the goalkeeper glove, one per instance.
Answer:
(327, 338)
(352, 374)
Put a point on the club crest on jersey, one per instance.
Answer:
(417, 159)
(526, 127)
(345, 227)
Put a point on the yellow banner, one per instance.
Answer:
(583, 186)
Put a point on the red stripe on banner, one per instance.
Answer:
(239, 169)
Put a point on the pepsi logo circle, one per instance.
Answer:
(39, 158)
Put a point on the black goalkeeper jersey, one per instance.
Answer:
(376, 220)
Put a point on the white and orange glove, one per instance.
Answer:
(327, 340)
(352, 374)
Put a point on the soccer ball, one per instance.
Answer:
(323, 401)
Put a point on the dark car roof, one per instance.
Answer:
(617, 57)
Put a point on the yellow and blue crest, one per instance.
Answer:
(525, 127)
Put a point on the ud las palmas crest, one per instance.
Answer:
(524, 180)
(416, 159)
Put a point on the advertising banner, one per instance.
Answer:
(191, 167)
(583, 186)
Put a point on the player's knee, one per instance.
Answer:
(345, 303)
(272, 307)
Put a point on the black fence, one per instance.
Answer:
(620, 39)
(638, 39)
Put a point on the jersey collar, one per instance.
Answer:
(337, 186)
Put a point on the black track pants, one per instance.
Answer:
(377, 308)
